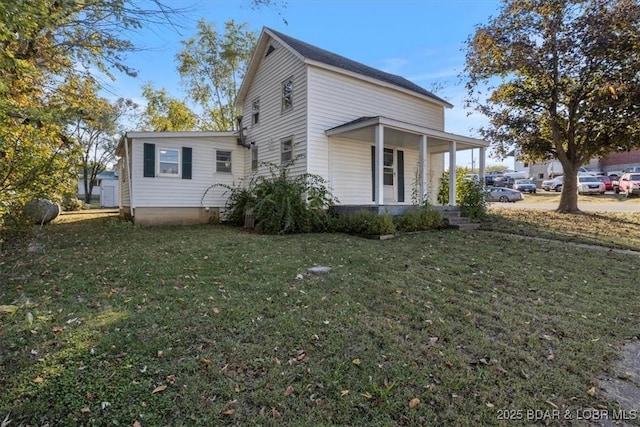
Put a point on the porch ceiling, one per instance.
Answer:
(403, 134)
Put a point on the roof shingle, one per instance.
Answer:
(329, 58)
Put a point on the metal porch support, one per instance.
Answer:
(481, 164)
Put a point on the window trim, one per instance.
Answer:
(283, 151)
(177, 163)
(219, 161)
(284, 105)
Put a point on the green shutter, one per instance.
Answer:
(400, 168)
(149, 163)
(373, 173)
(186, 162)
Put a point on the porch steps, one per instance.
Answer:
(454, 220)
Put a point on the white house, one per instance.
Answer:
(377, 138)
(105, 188)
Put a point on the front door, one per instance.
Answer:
(389, 180)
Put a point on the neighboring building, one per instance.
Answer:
(617, 161)
(375, 137)
(105, 188)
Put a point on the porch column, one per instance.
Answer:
(379, 187)
(481, 165)
(422, 196)
(452, 173)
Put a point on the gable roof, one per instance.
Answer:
(313, 54)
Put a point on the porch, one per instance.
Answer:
(385, 148)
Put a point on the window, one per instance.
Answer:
(388, 166)
(254, 156)
(287, 94)
(169, 160)
(223, 161)
(255, 112)
(286, 150)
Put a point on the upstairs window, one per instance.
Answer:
(255, 112)
(286, 150)
(169, 161)
(287, 95)
(254, 157)
(223, 161)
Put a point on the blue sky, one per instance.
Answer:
(421, 40)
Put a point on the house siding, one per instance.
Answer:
(335, 99)
(274, 124)
(174, 192)
(123, 173)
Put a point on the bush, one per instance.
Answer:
(472, 201)
(363, 223)
(419, 220)
(280, 203)
(72, 203)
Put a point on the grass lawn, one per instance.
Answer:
(210, 325)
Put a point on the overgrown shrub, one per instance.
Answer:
(472, 200)
(280, 203)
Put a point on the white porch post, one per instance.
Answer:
(422, 196)
(481, 164)
(452, 173)
(379, 187)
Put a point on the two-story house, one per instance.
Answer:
(377, 138)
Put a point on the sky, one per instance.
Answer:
(421, 40)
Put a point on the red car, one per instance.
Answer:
(608, 184)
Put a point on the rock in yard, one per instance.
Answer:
(319, 270)
(41, 211)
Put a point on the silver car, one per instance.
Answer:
(503, 194)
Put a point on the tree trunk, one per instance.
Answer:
(569, 196)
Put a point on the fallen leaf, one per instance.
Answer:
(8, 309)
(357, 362)
(275, 413)
(343, 393)
(159, 389)
(205, 361)
(57, 329)
(171, 379)
(591, 391)
(229, 411)
(137, 424)
(289, 390)
(490, 405)
(216, 310)
(414, 402)
(433, 340)
(85, 410)
(38, 380)
(551, 357)
(89, 395)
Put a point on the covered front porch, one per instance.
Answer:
(404, 161)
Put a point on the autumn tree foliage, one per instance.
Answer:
(560, 79)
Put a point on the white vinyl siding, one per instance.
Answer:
(335, 99)
(275, 125)
(168, 192)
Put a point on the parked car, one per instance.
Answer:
(490, 177)
(504, 181)
(525, 185)
(503, 194)
(629, 184)
(554, 184)
(606, 180)
(590, 185)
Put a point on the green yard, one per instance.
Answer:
(210, 325)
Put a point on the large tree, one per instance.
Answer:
(560, 79)
(212, 66)
(164, 113)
